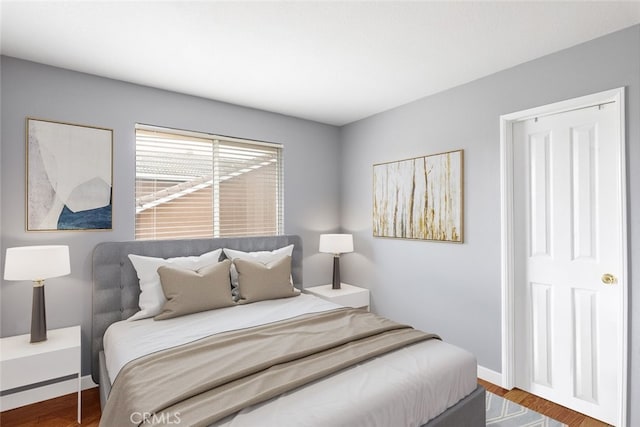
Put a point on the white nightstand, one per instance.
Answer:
(23, 364)
(347, 295)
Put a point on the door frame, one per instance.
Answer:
(507, 232)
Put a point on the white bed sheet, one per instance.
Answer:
(407, 387)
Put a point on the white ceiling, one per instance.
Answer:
(331, 61)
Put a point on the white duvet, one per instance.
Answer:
(407, 387)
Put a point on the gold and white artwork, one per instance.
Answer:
(420, 198)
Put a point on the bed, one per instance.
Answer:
(382, 390)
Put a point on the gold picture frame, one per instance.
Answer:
(69, 174)
(420, 198)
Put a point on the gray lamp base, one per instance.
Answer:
(336, 272)
(38, 315)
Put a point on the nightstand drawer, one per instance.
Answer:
(352, 300)
(36, 366)
(347, 295)
(39, 367)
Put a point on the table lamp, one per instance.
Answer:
(37, 263)
(336, 244)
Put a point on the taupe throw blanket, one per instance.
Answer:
(198, 383)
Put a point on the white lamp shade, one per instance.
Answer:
(336, 243)
(36, 262)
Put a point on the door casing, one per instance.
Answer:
(507, 231)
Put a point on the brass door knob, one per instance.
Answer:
(608, 279)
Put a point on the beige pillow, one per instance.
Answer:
(264, 257)
(152, 297)
(189, 291)
(258, 281)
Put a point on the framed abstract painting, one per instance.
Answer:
(420, 198)
(69, 176)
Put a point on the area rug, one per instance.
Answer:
(505, 413)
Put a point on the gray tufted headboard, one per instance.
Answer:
(115, 283)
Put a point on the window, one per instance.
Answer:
(191, 185)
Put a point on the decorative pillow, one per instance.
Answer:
(151, 297)
(263, 257)
(189, 291)
(258, 281)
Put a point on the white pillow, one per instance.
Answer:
(264, 257)
(152, 297)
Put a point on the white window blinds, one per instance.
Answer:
(197, 185)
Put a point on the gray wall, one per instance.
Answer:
(416, 282)
(311, 180)
(454, 289)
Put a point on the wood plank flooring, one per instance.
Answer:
(61, 411)
(545, 407)
(58, 412)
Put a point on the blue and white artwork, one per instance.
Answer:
(69, 176)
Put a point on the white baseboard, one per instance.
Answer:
(27, 397)
(489, 375)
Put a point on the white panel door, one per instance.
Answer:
(568, 231)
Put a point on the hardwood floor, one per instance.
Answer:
(58, 412)
(545, 407)
(61, 412)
